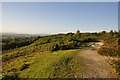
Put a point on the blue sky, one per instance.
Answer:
(59, 0)
(49, 18)
(0, 17)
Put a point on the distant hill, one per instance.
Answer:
(16, 35)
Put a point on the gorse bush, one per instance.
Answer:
(107, 51)
(110, 48)
(53, 47)
(90, 40)
(17, 42)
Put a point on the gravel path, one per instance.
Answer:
(94, 65)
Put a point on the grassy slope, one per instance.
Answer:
(38, 61)
(45, 64)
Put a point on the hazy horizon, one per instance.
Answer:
(62, 32)
(59, 17)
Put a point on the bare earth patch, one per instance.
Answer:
(95, 65)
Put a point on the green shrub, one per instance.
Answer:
(17, 42)
(90, 40)
(53, 47)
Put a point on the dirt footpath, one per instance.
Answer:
(95, 65)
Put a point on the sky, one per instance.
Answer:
(58, 17)
(0, 17)
(59, 0)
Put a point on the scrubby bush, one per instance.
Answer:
(107, 51)
(53, 47)
(12, 76)
(17, 42)
(90, 40)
